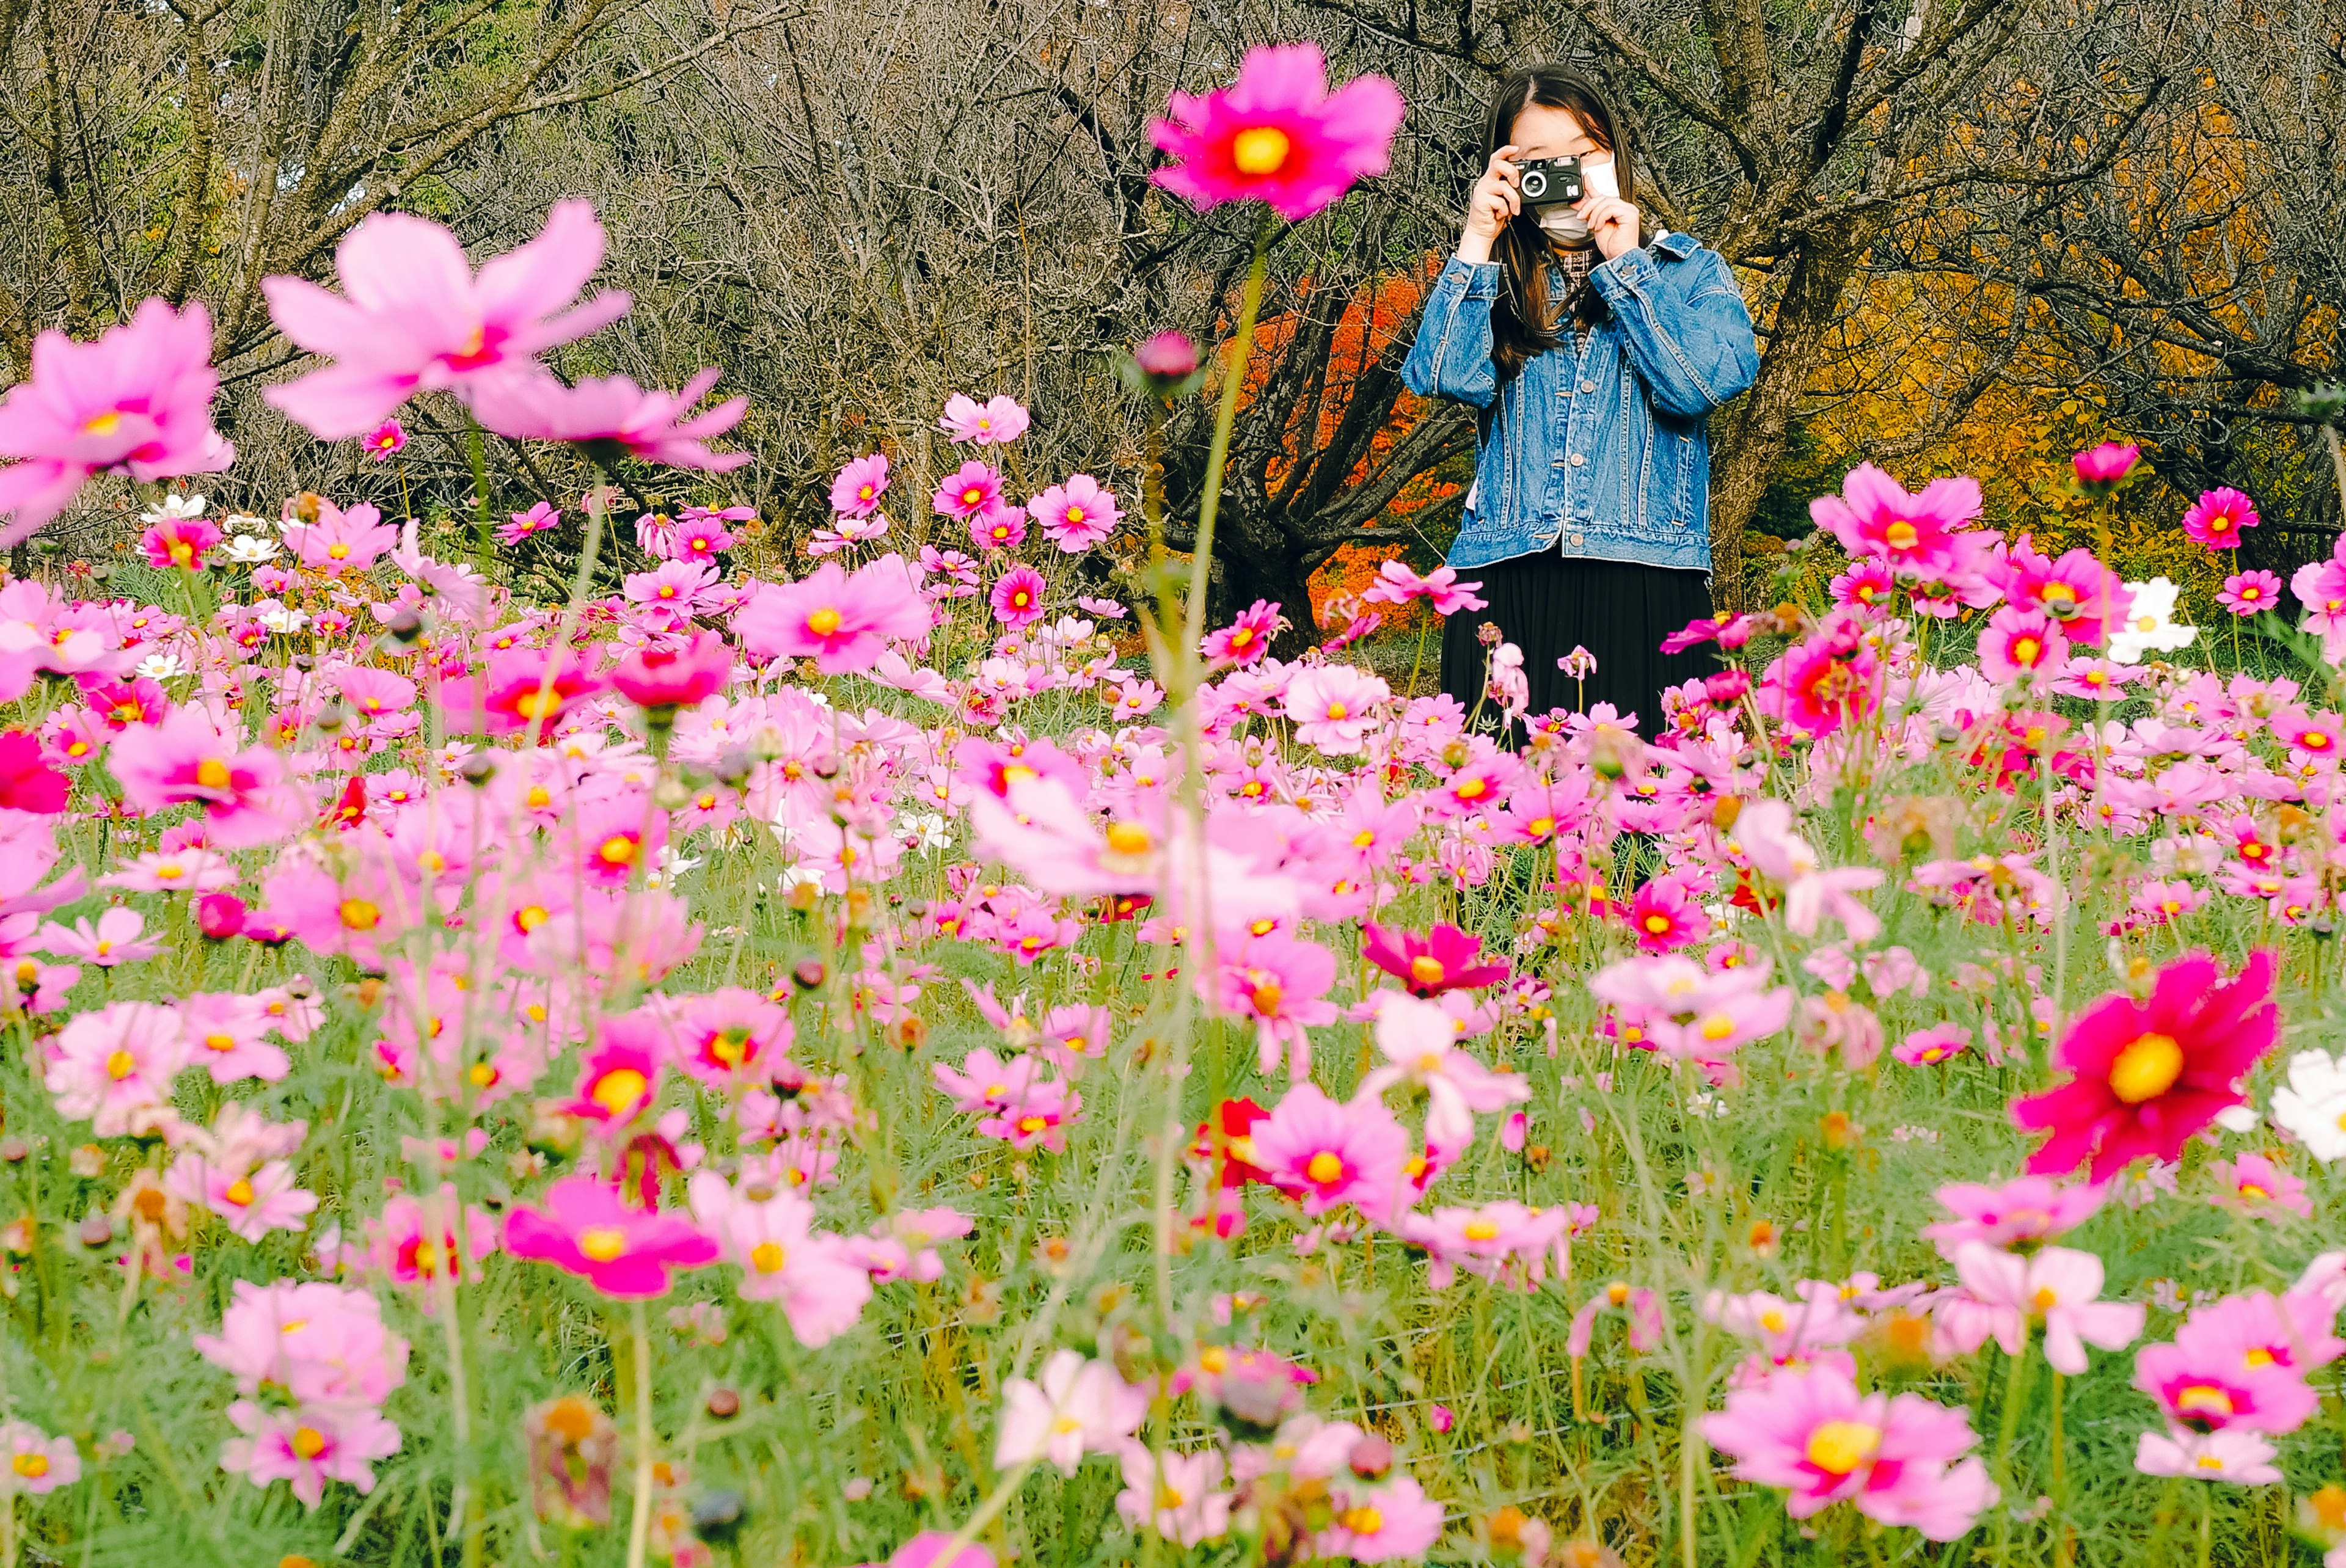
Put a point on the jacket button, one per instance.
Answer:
(1575, 460)
(1589, 386)
(1576, 539)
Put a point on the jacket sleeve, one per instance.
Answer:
(1451, 356)
(1688, 330)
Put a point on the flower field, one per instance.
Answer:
(838, 1064)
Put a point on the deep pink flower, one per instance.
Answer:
(1279, 984)
(2145, 1075)
(27, 782)
(136, 402)
(514, 693)
(1666, 915)
(538, 519)
(1813, 1434)
(415, 317)
(1166, 357)
(2019, 645)
(180, 543)
(1246, 640)
(666, 679)
(1329, 1154)
(2249, 593)
(2101, 467)
(843, 623)
(1875, 516)
(2217, 518)
(992, 422)
(182, 759)
(2077, 591)
(1397, 585)
(857, 489)
(972, 490)
(1076, 515)
(1828, 680)
(615, 413)
(2204, 1387)
(1444, 959)
(1276, 135)
(384, 440)
(584, 1229)
(1017, 597)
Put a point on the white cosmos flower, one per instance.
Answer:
(245, 522)
(922, 830)
(2150, 624)
(250, 549)
(160, 667)
(283, 619)
(172, 509)
(2312, 1109)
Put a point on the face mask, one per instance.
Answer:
(1596, 179)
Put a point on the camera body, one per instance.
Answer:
(1550, 181)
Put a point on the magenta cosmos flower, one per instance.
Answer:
(179, 542)
(2217, 518)
(1278, 134)
(843, 622)
(1397, 585)
(2145, 1075)
(1328, 1154)
(1815, 1436)
(1875, 516)
(137, 402)
(973, 490)
(615, 413)
(663, 680)
(1076, 515)
(182, 759)
(1017, 597)
(2101, 467)
(855, 491)
(2249, 593)
(1444, 959)
(384, 440)
(414, 317)
(584, 1229)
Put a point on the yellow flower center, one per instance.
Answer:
(120, 1065)
(1901, 535)
(602, 1243)
(240, 1193)
(1482, 1230)
(1128, 839)
(768, 1257)
(1260, 151)
(824, 621)
(1325, 1168)
(219, 1042)
(619, 1089)
(213, 774)
(1426, 970)
(1267, 998)
(309, 1442)
(32, 1466)
(2147, 1069)
(1363, 1519)
(1839, 1447)
(104, 424)
(338, 551)
(360, 915)
(618, 849)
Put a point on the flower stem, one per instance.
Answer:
(485, 546)
(640, 1524)
(1217, 454)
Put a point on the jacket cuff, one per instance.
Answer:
(1474, 279)
(1627, 273)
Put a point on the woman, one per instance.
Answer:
(1593, 355)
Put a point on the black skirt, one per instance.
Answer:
(1548, 604)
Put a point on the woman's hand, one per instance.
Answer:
(1491, 206)
(1613, 221)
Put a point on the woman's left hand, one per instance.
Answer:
(1614, 222)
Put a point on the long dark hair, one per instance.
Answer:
(1521, 325)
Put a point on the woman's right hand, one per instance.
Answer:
(1492, 205)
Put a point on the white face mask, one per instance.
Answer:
(1596, 179)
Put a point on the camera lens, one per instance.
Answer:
(1535, 184)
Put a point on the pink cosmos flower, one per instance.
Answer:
(1823, 682)
(37, 1462)
(2006, 1293)
(844, 623)
(1664, 916)
(383, 441)
(1186, 1503)
(112, 1066)
(1814, 1435)
(514, 694)
(1017, 597)
(343, 539)
(414, 1241)
(1380, 1523)
(1279, 982)
(972, 490)
(615, 413)
(769, 1231)
(1674, 1005)
(538, 519)
(2145, 1075)
(993, 423)
(927, 1550)
(2234, 1455)
(2254, 1184)
(179, 543)
(2204, 1388)
(1396, 585)
(1329, 1154)
(113, 939)
(1276, 135)
(1335, 705)
(584, 1229)
(1639, 1305)
(2018, 1215)
(620, 1080)
(1246, 640)
(2249, 593)
(1076, 515)
(1504, 1241)
(1078, 1406)
(416, 317)
(1875, 516)
(1444, 959)
(665, 680)
(856, 489)
(1928, 1047)
(1813, 892)
(2077, 591)
(2101, 467)
(318, 1344)
(309, 1446)
(2260, 1334)
(2094, 679)
(181, 759)
(2017, 645)
(2217, 518)
(1002, 528)
(1420, 1041)
(136, 402)
(228, 1035)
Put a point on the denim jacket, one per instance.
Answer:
(1598, 447)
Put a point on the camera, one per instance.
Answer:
(1549, 181)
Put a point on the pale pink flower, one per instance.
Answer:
(183, 759)
(416, 317)
(614, 412)
(1185, 1503)
(309, 1446)
(1078, 1406)
(37, 1462)
(113, 939)
(843, 622)
(996, 422)
(173, 871)
(227, 1035)
(2233, 1454)
(1420, 1041)
(112, 1065)
(316, 1343)
(1380, 1523)
(769, 1231)
(1334, 707)
(2018, 1215)
(137, 402)
(343, 539)
(1812, 892)
(2058, 1285)
(1813, 1435)
(1670, 1003)
(1397, 585)
(1279, 982)
(2254, 1184)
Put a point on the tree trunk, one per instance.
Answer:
(1754, 432)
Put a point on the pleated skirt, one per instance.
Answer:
(1549, 604)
